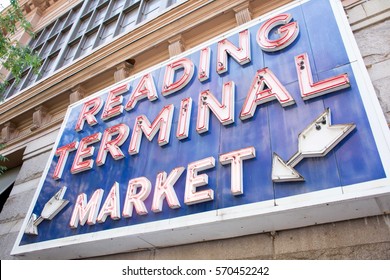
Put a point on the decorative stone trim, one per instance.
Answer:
(123, 70)
(77, 94)
(8, 132)
(176, 45)
(243, 13)
(40, 117)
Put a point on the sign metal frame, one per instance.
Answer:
(330, 205)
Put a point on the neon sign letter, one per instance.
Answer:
(134, 198)
(162, 122)
(83, 212)
(169, 86)
(242, 54)
(310, 89)
(224, 112)
(288, 33)
(90, 109)
(195, 180)
(265, 87)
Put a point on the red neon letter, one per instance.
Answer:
(164, 189)
(145, 88)
(183, 124)
(288, 33)
(84, 151)
(265, 87)
(195, 180)
(310, 89)
(134, 199)
(115, 98)
(90, 109)
(224, 112)
(63, 153)
(204, 64)
(169, 86)
(111, 206)
(112, 145)
(236, 158)
(162, 122)
(242, 54)
(83, 212)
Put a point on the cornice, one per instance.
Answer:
(30, 5)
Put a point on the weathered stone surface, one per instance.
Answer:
(367, 238)
(326, 237)
(6, 244)
(374, 46)
(32, 168)
(373, 43)
(16, 206)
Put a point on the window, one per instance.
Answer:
(47, 48)
(58, 26)
(128, 20)
(99, 16)
(73, 16)
(17, 86)
(92, 5)
(48, 66)
(84, 27)
(31, 79)
(61, 41)
(88, 43)
(70, 53)
(151, 8)
(45, 34)
(107, 31)
(117, 6)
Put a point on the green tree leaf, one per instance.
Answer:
(14, 56)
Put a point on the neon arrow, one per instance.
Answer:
(50, 210)
(317, 140)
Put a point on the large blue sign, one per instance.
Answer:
(272, 110)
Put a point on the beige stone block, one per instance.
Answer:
(6, 244)
(32, 168)
(379, 70)
(377, 251)
(334, 235)
(373, 7)
(252, 246)
(356, 14)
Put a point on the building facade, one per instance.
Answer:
(88, 46)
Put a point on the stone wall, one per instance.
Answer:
(370, 21)
(367, 238)
(14, 211)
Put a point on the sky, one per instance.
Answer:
(3, 4)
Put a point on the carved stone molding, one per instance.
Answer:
(78, 93)
(8, 132)
(243, 13)
(176, 45)
(39, 4)
(123, 70)
(40, 117)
